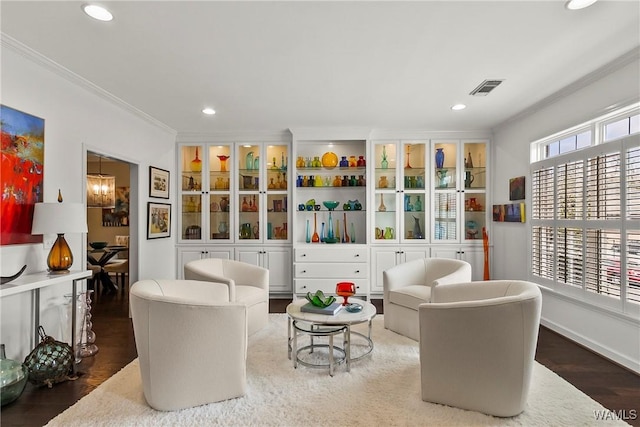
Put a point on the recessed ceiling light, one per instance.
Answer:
(97, 12)
(458, 107)
(209, 111)
(579, 4)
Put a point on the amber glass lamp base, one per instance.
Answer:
(60, 257)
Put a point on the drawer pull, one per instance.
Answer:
(303, 255)
(357, 255)
(303, 271)
(357, 271)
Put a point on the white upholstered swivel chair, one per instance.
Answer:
(248, 284)
(191, 342)
(477, 345)
(408, 285)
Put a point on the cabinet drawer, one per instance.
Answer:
(328, 286)
(323, 270)
(332, 253)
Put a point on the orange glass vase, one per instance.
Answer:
(345, 290)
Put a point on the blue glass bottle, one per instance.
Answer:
(439, 158)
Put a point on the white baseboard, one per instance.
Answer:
(609, 353)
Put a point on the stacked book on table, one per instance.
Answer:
(329, 310)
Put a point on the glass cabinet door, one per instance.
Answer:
(413, 190)
(445, 207)
(191, 195)
(474, 181)
(277, 200)
(248, 162)
(386, 157)
(219, 192)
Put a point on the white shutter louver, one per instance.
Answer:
(603, 186)
(543, 194)
(633, 183)
(603, 262)
(569, 190)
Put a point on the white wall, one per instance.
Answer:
(616, 336)
(76, 119)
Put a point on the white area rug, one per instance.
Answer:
(382, 389)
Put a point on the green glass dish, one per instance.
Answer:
(319, 299)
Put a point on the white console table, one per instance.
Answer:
(36, 281)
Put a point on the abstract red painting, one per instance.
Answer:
(21, 174)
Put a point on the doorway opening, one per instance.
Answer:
(112, 225)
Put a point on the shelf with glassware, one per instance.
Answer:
(331, 192)
(205, 193)
(459, 191)
(399, 197)
(263, 195)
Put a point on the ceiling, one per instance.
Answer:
(269, 66)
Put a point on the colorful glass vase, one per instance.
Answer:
(249, 160)
(439, 158)
(196, 163)
(384, 163)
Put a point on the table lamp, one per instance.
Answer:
(59, 218)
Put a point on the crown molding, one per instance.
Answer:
(618, 63)
(234, 136)
(9, 42)
(405, 134)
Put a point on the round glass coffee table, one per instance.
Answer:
(323, 325)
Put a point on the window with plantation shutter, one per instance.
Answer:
(603, 186)
(543, 194)
(542, 252)
(603, 262)
(633, 265)
(569, 256)
(633, 183)
(569, 192)
(585, 212)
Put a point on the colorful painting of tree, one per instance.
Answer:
(21, 174)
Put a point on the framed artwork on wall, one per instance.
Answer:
(158, 183)
(158, 220)
(516, 188)
(118, 216)
(21, 174)
(511, 212)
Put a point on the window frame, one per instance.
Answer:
(550, 227)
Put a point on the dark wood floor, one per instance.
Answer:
(614, 387)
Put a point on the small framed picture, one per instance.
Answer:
(158, 220)
(516, 188)
(158, 183)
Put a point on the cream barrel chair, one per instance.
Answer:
(248, 284)
(477, 345)
(191, 342)
(408, 285)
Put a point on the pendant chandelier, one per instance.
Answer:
(101, 189)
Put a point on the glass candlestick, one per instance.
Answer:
(88, 347)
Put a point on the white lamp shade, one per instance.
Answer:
(59, 218)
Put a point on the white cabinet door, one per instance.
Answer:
(383, 259)
(277, 260)
(475, 257)
(470, 254)
(188, 254)
(250, 255)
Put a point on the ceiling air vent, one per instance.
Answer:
(485, 87)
